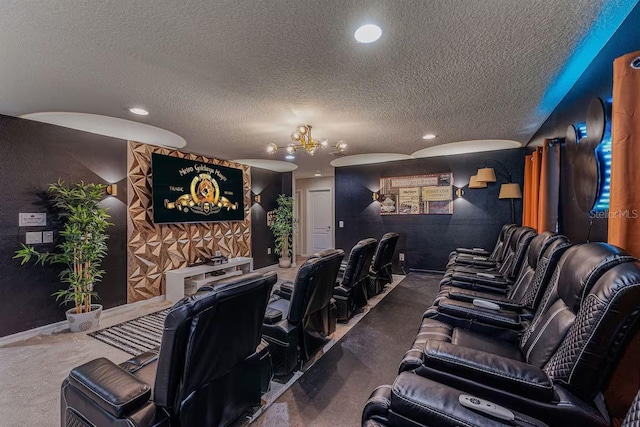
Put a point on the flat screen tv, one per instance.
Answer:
(191, 191)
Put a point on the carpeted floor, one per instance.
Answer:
(334, 390)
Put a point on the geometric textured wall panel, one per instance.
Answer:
(153, 249)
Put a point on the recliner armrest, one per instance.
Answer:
(140, 360)
(286, 290)
(481, 286)
(496, 280)
(468, 295)
(341, 291)
(112, 388)
(464, 310)
(489, 369)
(272, 316)
(473, 251)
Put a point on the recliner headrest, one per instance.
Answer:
(359, 261)
(517, 235)
(537, 246)
(582, 265)
(504, 229)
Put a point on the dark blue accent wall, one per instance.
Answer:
(268, 185)
(32, 155)
(426, 240)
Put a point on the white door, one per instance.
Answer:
(298, 232)
(320, 215)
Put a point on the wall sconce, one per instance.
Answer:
(375, 196)
(112, 189)
(459, 192)
(257, 198)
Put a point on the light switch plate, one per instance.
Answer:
(35, 219)
(341, 224)
(268, 251)
(33, 237)
(47, 237)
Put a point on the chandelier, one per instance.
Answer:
(302, 140)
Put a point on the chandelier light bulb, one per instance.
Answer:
(291, 148)
(341, 146)
(324, 142)
(302, 130)
(295, 136)
(272, 148)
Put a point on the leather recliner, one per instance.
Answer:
(481, 251)
(494, 313)
(380, 273)
(563, 359)
(501, 277)
(210, 368)
(440, 406)
(350, 293)
(296, 325)
(541, 259)
(462, 260)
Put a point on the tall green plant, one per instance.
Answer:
(84, 244)
(282, 226)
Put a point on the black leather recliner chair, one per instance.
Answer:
(440, 405)
(350, 293)
(297, 324)
(562, 361)
(380, 273)
(541, 259)
(211, 367)
(496, 313)
(501, 277)
(480, 261)
(493, 255)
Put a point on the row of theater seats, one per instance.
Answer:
(526, 335)
(221, 346)
(302, 314)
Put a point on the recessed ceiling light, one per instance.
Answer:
(290, 157)
(368, 33)
(139, 111)
(429, 136)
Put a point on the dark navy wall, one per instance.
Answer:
(268, 185)
(597, 81)
(32, 155)
(426, 240)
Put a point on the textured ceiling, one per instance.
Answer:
(231, 76)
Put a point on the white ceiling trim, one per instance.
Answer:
(110, 126)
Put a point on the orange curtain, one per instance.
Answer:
(624, 229)
(624, 208)
(542, 188)
(531, 201)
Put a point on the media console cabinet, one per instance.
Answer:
(195, 277)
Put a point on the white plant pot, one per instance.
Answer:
(84, 321)
(284, 262)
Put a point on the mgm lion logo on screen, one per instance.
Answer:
(204, 197)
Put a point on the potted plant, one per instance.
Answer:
(81, 251)
(282, 228)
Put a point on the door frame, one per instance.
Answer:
(309, 227)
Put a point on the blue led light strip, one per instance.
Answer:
(603, 153)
